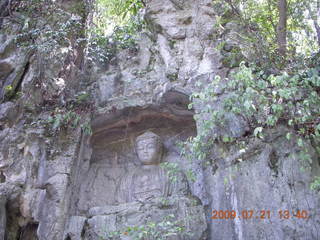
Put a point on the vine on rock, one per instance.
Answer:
(265, 101)
(165, 229)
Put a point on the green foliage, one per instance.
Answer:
(315, 185)
(265, 100)
(165, 202)
(104, 47)
(257, 22)
(120, 9)
(8, 91)
(86, 128)
(46, 26)
(82, 97)
(232, 55)
(191, 175)
(115, 26)
(172, 170)
(162, 230)
(172, 77)
(199, 147)
(225, 181)
(63, 120)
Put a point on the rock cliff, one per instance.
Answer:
(51, 171)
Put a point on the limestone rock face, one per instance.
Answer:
(116, 221)
(143, 200)
(269, 177)
(3, 218)
(64, 184)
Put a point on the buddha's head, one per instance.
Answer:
(149, 148)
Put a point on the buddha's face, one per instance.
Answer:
(148, 151)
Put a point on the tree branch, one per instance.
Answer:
(282, 27)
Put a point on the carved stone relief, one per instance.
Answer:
(149, 180)
(124, 184)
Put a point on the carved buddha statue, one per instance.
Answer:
(149, 180)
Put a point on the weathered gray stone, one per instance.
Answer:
(12, 79)
(146, 195)
(186, 211)
(8, 112)
(65, 186)
(264, 177)
(150, 180)
(5, 69)
(112, 209)
(100, 226)
(3, 216)
(75, 228)
(31, 204)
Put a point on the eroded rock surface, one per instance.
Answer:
(63, 185)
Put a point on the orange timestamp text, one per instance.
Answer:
(258, 214)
